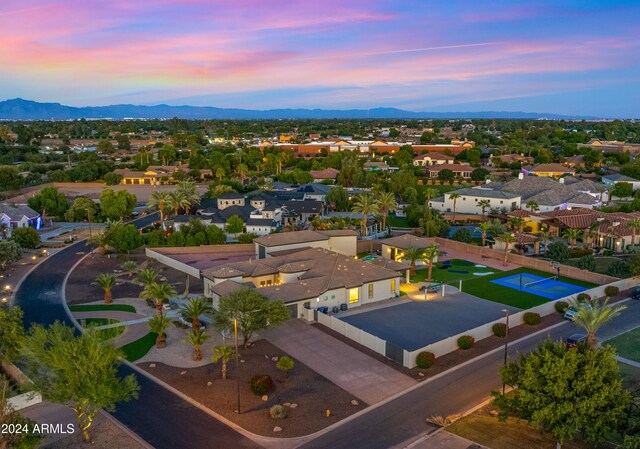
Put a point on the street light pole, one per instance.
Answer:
(235, 332)
(506, 313)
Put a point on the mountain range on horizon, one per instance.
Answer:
(20, 109)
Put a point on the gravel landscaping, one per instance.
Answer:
(308, 394)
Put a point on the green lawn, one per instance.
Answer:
(101, 307)
(602, 263)
(105, 334)
(396, 222)
(97, 321)
(627, 344)
(482, 287)
(446, 275)
(139, 348)
(630, 378)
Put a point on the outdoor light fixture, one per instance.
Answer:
(7, 287)
(5, 300)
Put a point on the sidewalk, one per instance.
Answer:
(364, 377)
(440, 440)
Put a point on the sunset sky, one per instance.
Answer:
(577, 57)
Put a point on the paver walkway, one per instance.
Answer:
(356, 372)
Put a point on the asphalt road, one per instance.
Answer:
(159, 417)
(402, 419)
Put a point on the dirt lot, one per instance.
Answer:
(79, 289)
(312, 393)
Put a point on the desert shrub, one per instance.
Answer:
(561, 306)
(261, 384)
(466, 342)
(285, 364)
(531, 318)
(609, 252)
(425, 360)
(587, 263)
(611, 291)
(580, 252)
(499, 330)
(582, 297)
(278, 411)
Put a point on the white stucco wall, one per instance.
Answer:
(469, 204)
(343, 244)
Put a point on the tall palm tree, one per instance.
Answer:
(106, 281)
(194, 308)
(190, 191)
(386, 203)
(130, 266)
(484, 204)
(161, 200)
(159, 293)
(454, 197)
(507, 239)
(197, 337)
(178, 201)
(224, 354)
(430, 253)
(365, 205)
(572, 234)
(591, 317)
(544, 234)
(485, 227)
(148, 276)
(634, 225)
(412, 254)
(159, 326)
(532, 205)
(241, 170)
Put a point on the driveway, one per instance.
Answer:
(364, 377)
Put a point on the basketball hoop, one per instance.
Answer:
(556, 266)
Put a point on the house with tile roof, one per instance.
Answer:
(549, 170)
(327, 174)
(459, 170)
(309, 278)
(340, 241)
(432, 158)
(611, 180)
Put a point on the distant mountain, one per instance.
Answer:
(19, 109)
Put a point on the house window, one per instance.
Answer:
(354, 295)
(393, 285)
(370, 291)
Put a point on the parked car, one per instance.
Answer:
(635, 292)
(324, 310)
(575, 339)
(571, 312)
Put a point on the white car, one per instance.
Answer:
(571, 312)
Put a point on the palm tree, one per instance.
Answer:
(365, 205)
(106, 281)
(532, 205)
(507, 239)
(634, 225)
(224, 354)
(159, 326)
(194, 308)
(197, 337)
(484, 204)
(545, 233)
(159, 293)
(454, 197)
(516, 223)
(430, 253)
(386, 203)
(412, 254)
(241, 170)
(190, 191)
(572, 235)
(485, 227)
(591, 317)
(130, 266)
(161, 200)
(178, 201)
(101, 240)
(148, 276)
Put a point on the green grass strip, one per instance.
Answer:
(102, 307)
(139, 348)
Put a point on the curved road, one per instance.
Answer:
(158, 416)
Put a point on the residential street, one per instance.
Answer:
(161, 418)
(402, 420)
